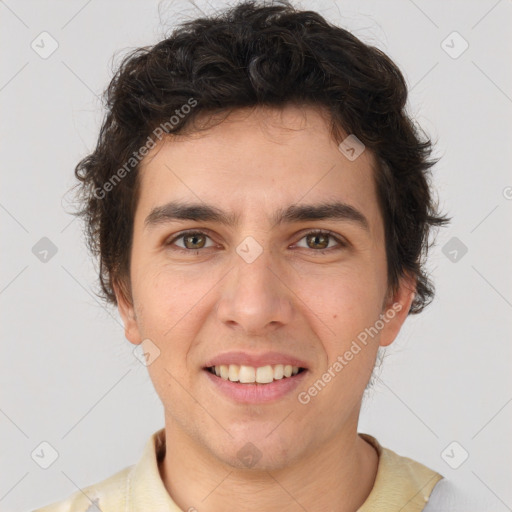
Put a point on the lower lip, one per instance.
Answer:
(256, 393)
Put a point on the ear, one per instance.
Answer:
(127, 312)
(396, 309)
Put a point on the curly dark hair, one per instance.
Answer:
(249, 55)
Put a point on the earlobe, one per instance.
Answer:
(396, 311)
(127, 311)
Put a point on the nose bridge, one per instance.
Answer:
(254, 264)
(254, 296)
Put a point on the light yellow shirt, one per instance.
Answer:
(401, 484)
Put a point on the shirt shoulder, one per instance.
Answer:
(109, 494)
(448, 496)
(138, 488)
(444, 496)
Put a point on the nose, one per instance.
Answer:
(255, 297)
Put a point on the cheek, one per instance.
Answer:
(169, 308)
(167, 296)
(351, 295)
(346, 303)
(171, 313)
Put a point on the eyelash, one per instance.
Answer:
(332, 235)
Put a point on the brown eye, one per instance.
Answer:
(190, 241)
(318, 240)
(194, 240)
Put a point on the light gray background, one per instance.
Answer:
(68, 376)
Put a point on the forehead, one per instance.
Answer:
(257, 161)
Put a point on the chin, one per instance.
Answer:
(258, 453)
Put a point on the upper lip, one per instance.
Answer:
(255, 360)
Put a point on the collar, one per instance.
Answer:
(400, 484)
(145, 488)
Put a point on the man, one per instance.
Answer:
(260, 204)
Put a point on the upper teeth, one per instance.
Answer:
(261, 374)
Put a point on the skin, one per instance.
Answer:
(196, 305)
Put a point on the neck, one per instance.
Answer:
(338, 475)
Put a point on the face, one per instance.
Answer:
(257, 277)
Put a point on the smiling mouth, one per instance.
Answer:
(251, 375)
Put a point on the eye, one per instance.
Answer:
(192, 240)
(319, 241)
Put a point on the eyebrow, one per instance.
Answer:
(202, 212)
